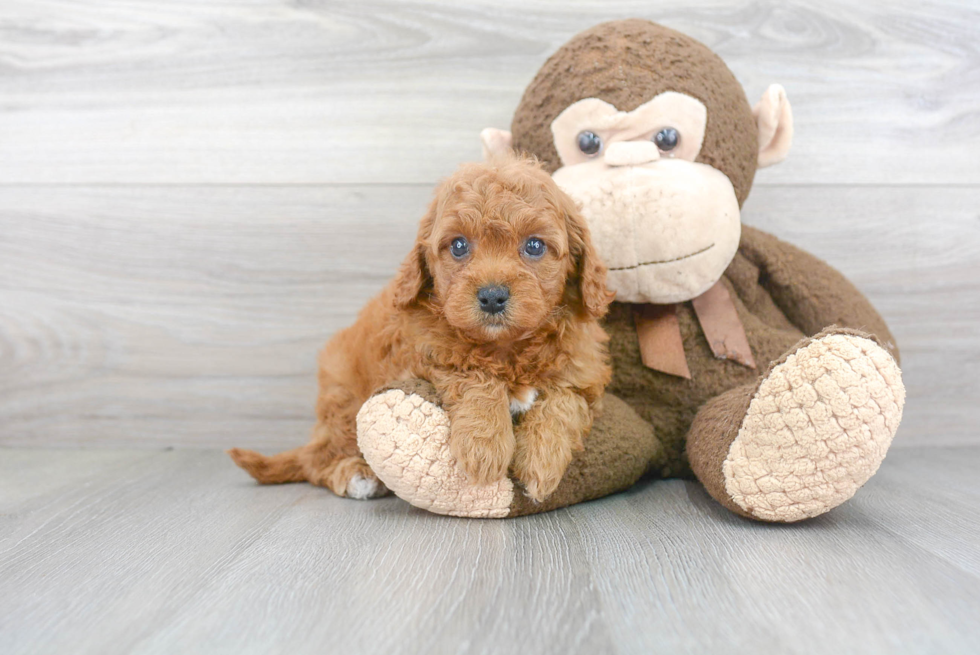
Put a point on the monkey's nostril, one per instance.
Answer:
(493, 299)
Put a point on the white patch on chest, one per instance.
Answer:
(522, 399)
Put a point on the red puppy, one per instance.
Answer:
(497, 305)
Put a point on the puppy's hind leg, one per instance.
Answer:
(319, 463)
(331, 459)
(337, 464)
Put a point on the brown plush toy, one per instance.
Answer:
(737, 358)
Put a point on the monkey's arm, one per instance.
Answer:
(811, 293)
(404, 433)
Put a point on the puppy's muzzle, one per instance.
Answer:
(493, 299)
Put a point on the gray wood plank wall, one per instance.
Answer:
(194, 195)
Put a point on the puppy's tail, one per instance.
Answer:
(274, 469)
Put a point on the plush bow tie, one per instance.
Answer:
(661, 346)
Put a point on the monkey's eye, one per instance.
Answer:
(459, 248)
(534, 247)
(666, 139)
(589, 142)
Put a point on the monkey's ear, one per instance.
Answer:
(587, 283)
(413, 277)
(775, 120)
(495, 143)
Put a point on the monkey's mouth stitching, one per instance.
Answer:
(665, 261)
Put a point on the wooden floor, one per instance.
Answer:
(179, 552)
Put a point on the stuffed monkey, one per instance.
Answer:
(737, 358)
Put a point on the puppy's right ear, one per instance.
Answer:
(413, 276)
(496, 143)
(588, 279)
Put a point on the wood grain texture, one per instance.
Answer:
(192, 316)
(252, 91)
(177, 551)
(183, 316)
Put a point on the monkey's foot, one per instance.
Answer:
(816, 429)
(404, 436)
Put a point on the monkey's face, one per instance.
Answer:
(666, 226)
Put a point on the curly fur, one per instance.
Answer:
(427, 323)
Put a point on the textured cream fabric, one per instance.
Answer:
(816, 430)
(405, 440)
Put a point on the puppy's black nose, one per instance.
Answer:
(493, 300)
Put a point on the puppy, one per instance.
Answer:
(497, 305)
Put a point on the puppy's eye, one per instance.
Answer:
(534, 247)
(459, 248)
(667, 139)
(589, 142)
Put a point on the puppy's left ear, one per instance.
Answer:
(588, 277)
(413, 277)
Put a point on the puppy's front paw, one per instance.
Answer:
(541, 467)
(483, 457)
